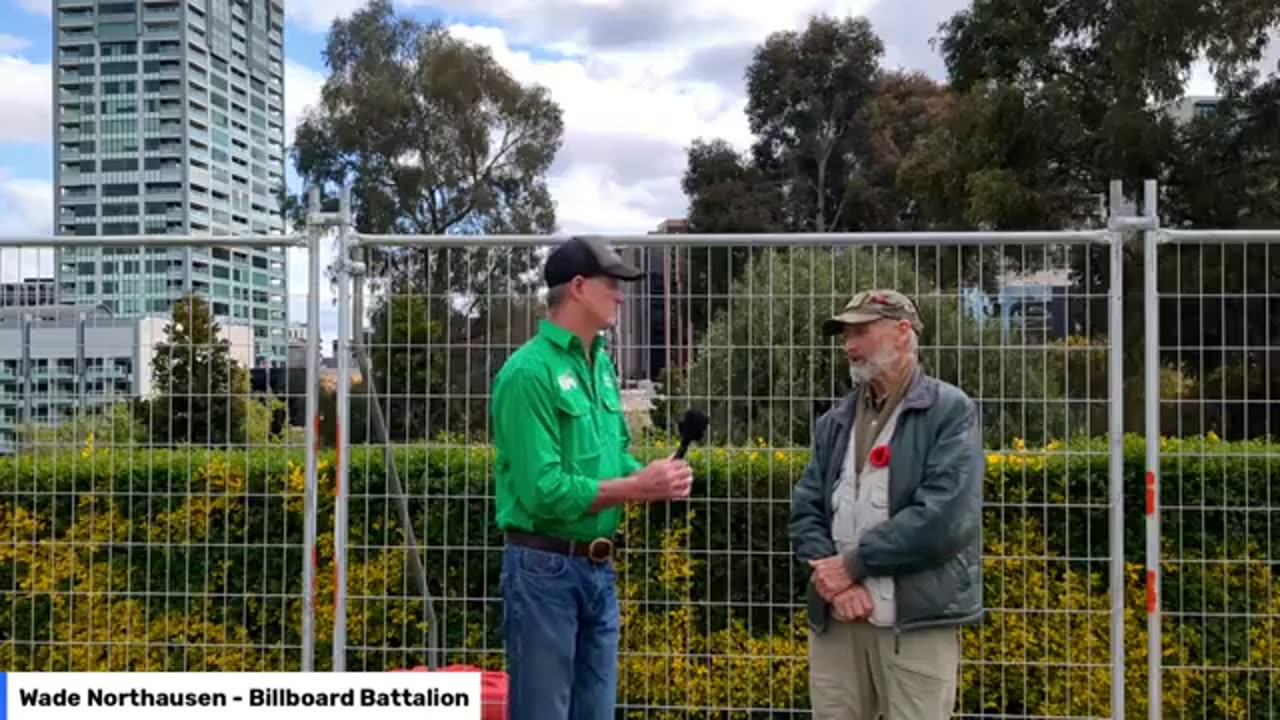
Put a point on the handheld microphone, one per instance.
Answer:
(693, 427)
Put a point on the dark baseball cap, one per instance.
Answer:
(588, 257)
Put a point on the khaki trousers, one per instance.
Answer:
(858, 672)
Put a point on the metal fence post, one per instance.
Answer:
(344, 412)
(314, 225)
(1115, 465)
(1151, 365)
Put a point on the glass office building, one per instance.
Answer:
(169, 118)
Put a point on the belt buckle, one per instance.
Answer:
(600, 550)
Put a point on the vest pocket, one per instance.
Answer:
(877, 483)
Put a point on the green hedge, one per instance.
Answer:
(138, 558)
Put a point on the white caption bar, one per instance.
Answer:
(244, 696)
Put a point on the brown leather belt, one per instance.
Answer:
(600, 550)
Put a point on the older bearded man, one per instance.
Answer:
(887, 517)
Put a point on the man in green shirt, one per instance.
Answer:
(563, 472)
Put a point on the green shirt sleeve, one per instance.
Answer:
(527, 435)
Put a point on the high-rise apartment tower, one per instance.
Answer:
(169, 118)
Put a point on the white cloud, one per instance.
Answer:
(37, 7)
(638, 80)
(628, 119)
(1201, 82)
(26, 115)
(316, 15)
(25, 210)
(301, 90)
(26, 205)
(575, 26)
(621, 73)
(10, 44)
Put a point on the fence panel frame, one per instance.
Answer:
(1154, 238)
(348, 272)
(308, 239)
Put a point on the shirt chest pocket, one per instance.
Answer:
(611, 421)
(579, 435)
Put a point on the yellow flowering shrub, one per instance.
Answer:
(163, 560)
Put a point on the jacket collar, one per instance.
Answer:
(921, 395)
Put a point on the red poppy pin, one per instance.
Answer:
(879, 456)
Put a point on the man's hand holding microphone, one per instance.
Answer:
(661, 480)
(672, 478)
(665, 479)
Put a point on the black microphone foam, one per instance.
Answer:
(693, 427)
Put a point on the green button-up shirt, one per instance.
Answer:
(558, 432)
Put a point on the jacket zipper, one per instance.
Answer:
(897, 607)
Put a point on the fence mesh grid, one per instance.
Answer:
(151, 497)
(713, 624)
(153, 511)
(1217, 502)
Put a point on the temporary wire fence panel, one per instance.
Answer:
(1213, 500)
(153, 504)
(712, 613)
(166, 503)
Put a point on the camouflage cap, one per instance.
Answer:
(871, 305)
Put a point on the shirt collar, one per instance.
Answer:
(870, 400)
(565, 339)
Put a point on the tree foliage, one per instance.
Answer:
(765, 373)
(1060, 98)
(806, 98)
(432, 371)
(201, 391)
(1045, 104)
(434, 137)
(832, 129)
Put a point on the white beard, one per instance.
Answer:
(868, 369)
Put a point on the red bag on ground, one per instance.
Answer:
(493, 688)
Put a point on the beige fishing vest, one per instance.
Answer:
(861, 502)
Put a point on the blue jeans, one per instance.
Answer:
(560, 624)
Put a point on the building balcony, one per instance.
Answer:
(75, 36)
(165, 12)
